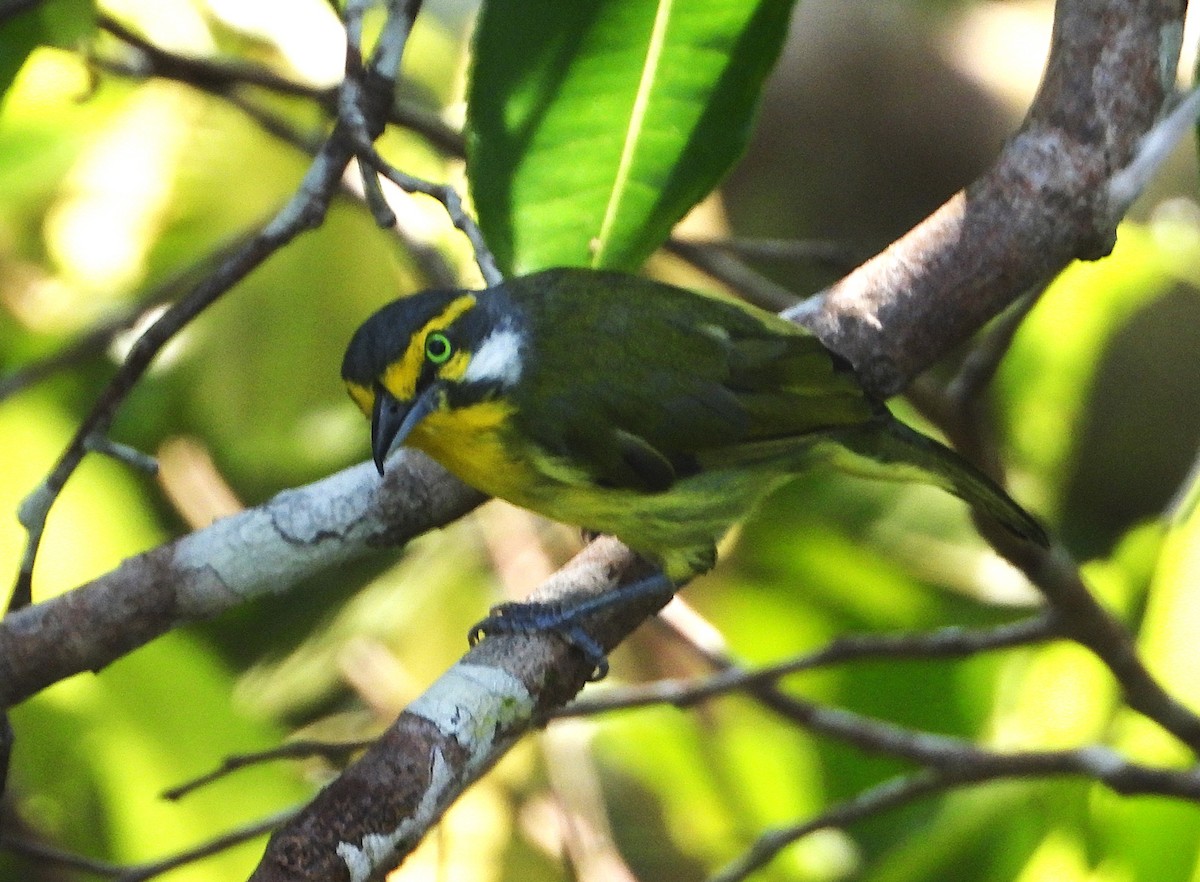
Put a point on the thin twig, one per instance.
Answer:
(1091, 625)
(122, 453)
(213, 75)
(887, 795)
(1156, 147)
(337, 753)
(960, 407)
(150, 869)
(952, 642)
(979, 367)
(100, 336)
(226, 78)
(449, 198)
(89, 345)
(751, 284)
(303, 211)
(832, 255)
(48, 854)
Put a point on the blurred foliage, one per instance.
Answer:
(61, 23)
(110, 188)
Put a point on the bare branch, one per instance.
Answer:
(724, 259)
(750, 283)
(979, 368)
(336, 752)
(450, 200)
(821, 252)
(951, 642)
(960, 409)
(379, 809)
(150, 869)
(369, 93)
(1046, 201)
(1091, 625)
(261, 550)
(1128, 183)
(123, 453)
(873, 801)
(217, 76)
(97, 338)
(229, 79)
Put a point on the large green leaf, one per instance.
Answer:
(594, 126)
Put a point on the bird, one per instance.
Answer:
(632, 407)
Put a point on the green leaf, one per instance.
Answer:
(61, 23)
(594, 126)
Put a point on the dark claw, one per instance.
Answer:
(593, 653)
(564, 619)
(532, 618)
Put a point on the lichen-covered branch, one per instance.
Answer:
(262, 550)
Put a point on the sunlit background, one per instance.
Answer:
(114, 192)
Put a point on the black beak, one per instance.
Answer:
(392, 420)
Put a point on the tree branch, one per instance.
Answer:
(262, 550)
(1046, 202)
(873, 801)
(150, 869)
(951, 642)
(363, 100)
(374, 814)
(96, 339)
(228, 79)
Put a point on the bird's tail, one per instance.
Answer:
(895, 452)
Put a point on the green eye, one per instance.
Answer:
(437, 348)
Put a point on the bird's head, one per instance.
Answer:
(436, 350)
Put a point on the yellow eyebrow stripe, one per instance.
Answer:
(400, 378)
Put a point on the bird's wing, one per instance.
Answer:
(644, 391)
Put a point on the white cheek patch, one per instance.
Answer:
(498, 359)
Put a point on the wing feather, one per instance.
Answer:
(670, 380)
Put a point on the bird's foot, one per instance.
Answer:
(535, 617)
(566, 619)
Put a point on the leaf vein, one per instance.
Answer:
(633, 131)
